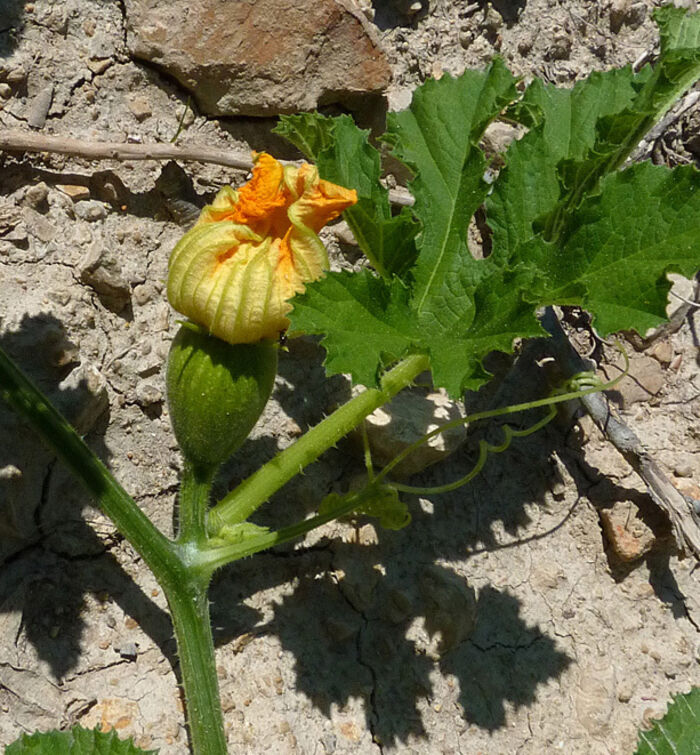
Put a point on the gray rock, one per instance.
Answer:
(37, 225)
(90, 209)
(83, 397)
(406, 418)
(100, 271)
(36, 197)
(260, 58)
(147, 394)
(128, 650)
(140, 108)
(39, 107)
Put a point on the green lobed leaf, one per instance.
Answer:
(579, 135)
(678, 732)
(563, 128)
(310, 133)
(344, 156)
(678, 29)
(75, 741)
(365, 319)
(437, 137)
(644, 223)
(560, 234)
(502, 315)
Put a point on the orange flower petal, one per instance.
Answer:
(253, 249)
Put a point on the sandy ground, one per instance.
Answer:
(501, 621)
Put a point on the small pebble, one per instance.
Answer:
(624, 694)
(39, 108)
(16, 76)
(10, 472)
(147, 394)
(75, 192)
(143, 293)
(662, 352)
(99, 66)
(36, 196)
(5, 91)
(128, 650)
(140, 108)
(683, 470)
(90, 210)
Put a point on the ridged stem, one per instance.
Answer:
(240, 503)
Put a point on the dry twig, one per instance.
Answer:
(27, 141)
(682, 512)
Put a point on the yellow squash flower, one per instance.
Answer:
(253, 249)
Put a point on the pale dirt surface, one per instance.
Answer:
(500, 621)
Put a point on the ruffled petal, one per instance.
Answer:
(253, 249)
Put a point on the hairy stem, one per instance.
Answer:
(189, 608)
(28, 401)
(238, 505)
(195, 487)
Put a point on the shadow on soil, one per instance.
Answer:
(51, 557)
(11, 25)
(376, 619)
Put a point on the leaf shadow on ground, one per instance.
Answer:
(377, 618)
(51, 557)
(11, 26)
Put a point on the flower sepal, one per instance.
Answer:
(216, 393)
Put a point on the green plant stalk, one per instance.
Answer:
(210, 559)
(183, 584)
(549, 402)
(240, 503)
(189, 609)
(195, 486)
(28, 401)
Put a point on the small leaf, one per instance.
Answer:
(378, 501)
(232, 534)
(386, 505)
(75, 741)
(678, 732)
(310, 133)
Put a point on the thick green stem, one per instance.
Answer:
(238, 505)
(173, 566)
(195, 487)
(156, 550)
(189, 609)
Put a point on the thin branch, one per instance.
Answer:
(682, 511)
(26, 141)
(16, 140)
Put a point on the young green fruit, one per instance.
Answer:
(216, 393)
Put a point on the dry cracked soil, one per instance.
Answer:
(540, 609)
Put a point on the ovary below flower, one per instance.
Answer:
(253, 249)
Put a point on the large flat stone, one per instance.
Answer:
(260, 57)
